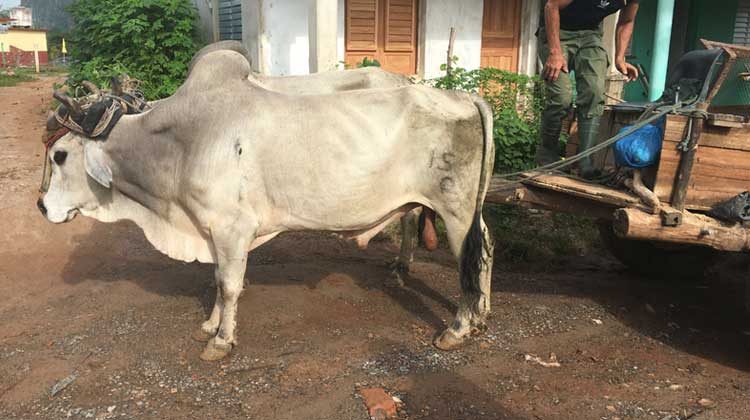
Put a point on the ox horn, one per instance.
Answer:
(91, 87)
(52, 123)
(73, 108)
(116, 86)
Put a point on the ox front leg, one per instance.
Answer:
(230, 274)
(211, 326)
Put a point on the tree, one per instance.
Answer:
(149, 40)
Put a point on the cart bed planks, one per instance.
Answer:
(722, 163)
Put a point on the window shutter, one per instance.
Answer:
(742, 23)
(400, 25)
(362, 25)
(230, 20)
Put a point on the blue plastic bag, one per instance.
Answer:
(641, 148)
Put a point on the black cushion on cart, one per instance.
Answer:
(690, 74)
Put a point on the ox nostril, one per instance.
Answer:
(40, 205)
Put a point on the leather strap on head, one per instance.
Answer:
(57, 135)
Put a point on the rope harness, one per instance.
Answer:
(648, 116)
(93, 115)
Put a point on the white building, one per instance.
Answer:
(294, 37)
(20, 17)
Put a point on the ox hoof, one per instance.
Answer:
(395, 280)
(214, 351)
(399, 271)
(479, 329)
(449, 340)
(201, 336)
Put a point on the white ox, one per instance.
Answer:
(224, 165)
(338, 81)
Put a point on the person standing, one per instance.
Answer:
(571, 33)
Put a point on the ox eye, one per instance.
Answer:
(60, 156)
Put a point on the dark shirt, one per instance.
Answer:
(581, 15)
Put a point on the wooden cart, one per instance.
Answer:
(714, 167)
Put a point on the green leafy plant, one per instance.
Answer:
(517, 102)
(149, 40)
(367, 62)
(54, 43)
(17, 76)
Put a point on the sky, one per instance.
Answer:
(6, 4)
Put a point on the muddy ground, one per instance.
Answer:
(317, 322)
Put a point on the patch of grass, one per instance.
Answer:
(19, 76)
(55, 71)
(523, 236)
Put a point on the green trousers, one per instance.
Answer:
(586, 56)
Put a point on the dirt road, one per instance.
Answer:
(317, 323)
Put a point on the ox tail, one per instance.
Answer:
(476, 242)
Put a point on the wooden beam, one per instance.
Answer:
(727, 120)
(695, 229)
(583, 189)
(531, 196)
(449, 60)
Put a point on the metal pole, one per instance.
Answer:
(660, 50)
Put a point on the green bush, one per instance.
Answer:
(367, 62)
(149, 40)
(517, 102)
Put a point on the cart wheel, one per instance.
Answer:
(659, 260)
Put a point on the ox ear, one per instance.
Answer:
(95, 161)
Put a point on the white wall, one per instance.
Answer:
(251, 25)
(205, 19)
(324, 25)
(437, 18)
(277, 33)
(284, 37)
(341, 31)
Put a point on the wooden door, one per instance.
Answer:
(385, 30)
(501, 34)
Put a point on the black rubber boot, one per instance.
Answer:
(588, 137)
(548, 150)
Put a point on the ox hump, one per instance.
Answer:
(218, 68)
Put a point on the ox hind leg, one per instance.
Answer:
(472, 245)
(409, 240)
(410, 230)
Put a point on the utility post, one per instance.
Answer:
(36, 57)
(215, 19)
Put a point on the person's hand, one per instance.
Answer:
(555, 65)
(627, 69)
